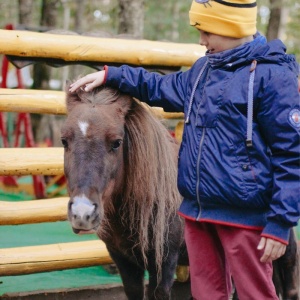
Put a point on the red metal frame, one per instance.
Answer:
(22, 120)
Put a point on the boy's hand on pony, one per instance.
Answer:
(88, 82)
(272, 249)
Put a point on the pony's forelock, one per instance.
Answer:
(101, 95)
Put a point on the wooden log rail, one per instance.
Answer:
(31, 161)
(32, 101)
(106, 50)
(35, 211)
(45, 258)
(48, 102)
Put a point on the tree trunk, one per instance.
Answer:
(275, 19)
(48, 19)
(175, 32)
(131, 17)
(25, 12)
(76, 70)
(49, 13)
(46, 126)
(78, 15)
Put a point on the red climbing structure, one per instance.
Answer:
(23, 128)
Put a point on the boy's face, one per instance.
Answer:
(216, 43)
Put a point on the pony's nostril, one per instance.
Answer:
(76, 230)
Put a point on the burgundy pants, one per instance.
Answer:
(219, 253)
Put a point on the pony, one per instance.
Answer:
(120, 164)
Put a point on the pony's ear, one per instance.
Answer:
(72, 99)
(124, 104)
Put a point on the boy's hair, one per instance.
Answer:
(233, 18)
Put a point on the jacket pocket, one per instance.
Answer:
(247, 172)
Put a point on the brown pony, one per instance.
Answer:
(121, 170)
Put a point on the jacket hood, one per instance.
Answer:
(275, 52)
(259, 50)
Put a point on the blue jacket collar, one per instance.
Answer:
(259, 50)
(238, 55)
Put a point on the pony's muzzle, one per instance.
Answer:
(83, 214)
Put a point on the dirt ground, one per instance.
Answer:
(180, 291)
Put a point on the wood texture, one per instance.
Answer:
(107, 50)
(35, 161)
(36, 211)
(45, 258)
(48, 102)
(32, 101)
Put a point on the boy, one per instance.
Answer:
(239, 157)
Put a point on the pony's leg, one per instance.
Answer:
(162, 290)
(132, 276)
(288, 269)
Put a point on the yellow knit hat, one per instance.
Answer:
(233, 18)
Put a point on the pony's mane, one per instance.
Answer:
(151, 178)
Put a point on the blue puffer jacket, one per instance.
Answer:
(222, 179)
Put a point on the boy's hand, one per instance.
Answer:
(88, 82)
(272, 249)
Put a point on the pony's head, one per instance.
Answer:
(93, 139)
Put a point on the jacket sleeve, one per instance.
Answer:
(166, 91)
(279, 122)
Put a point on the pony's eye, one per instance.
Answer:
(116, 144)
(64, 142)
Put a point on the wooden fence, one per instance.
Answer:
(49, 161)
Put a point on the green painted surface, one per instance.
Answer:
(39, 234)
(14, 197)
(75, 278)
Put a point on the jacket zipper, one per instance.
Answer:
(198, 172)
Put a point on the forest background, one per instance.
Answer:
(153, 20)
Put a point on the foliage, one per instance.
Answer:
(160, 24)
(292, 39)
